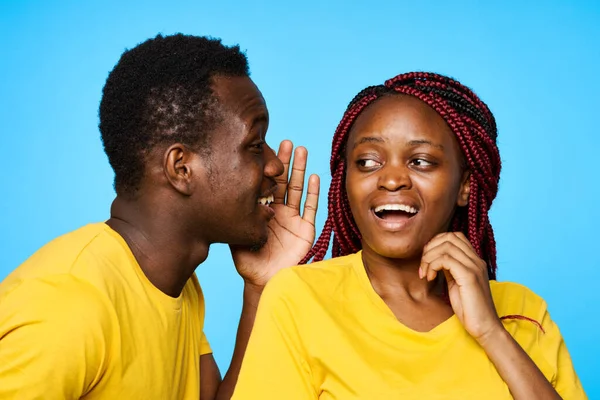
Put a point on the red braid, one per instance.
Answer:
(475, 128)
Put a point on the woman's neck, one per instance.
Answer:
(398, 277)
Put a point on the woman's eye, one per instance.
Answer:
(419, 162)
(368, 163)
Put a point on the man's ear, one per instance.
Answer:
(182, 166)
(464, 190)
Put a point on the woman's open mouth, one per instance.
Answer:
(394, 216)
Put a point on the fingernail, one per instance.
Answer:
(420, 273)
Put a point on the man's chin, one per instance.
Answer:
(258, 245)
(251, 240)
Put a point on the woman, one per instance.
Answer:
(408, 308)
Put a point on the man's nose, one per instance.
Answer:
(273, 165)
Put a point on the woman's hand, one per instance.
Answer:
(468, 282)
(471, 300)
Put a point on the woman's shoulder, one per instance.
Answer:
(333, 267)
(318, 277)
(513, 299)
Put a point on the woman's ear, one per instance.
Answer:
(464, 190)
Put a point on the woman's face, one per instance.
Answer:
(404, 176)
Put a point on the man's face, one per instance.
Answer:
(242, 167)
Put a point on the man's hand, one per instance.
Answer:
(291, 235)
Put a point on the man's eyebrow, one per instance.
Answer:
(260, 119)
(415, 143)
(368, 139)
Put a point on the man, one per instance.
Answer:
(114, 310)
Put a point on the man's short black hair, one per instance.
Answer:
(160, 93)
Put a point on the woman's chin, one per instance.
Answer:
(397, 251)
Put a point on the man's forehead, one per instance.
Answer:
(242, 104)
(236, 91)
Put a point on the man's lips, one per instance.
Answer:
(265, 201)
(270, 192)
(267, 209)
(268, 196)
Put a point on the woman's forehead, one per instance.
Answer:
(400, 118)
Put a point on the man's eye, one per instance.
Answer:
(258, 146)
(366, 163)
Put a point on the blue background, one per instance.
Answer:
(535, 65)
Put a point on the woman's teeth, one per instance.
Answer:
(396, 207)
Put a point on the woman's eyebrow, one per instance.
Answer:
(368, 139)
(415, 143)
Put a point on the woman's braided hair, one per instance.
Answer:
(475, 128)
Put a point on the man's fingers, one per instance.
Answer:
(295, 186)
(311, 203)
(285, 155)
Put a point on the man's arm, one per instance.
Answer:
(54, 340)
(211, 385)
(210, 377)
(249, 307)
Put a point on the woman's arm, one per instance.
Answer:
(275, 364)
(471, 299)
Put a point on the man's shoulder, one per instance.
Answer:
(192, 292)
(61, 301)
(71, 253)
(55, 330)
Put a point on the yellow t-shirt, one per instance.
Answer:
(322, 332)
(79, 319)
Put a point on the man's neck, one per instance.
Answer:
(166, 253)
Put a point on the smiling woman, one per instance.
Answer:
(410, 160)
(409, 306)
